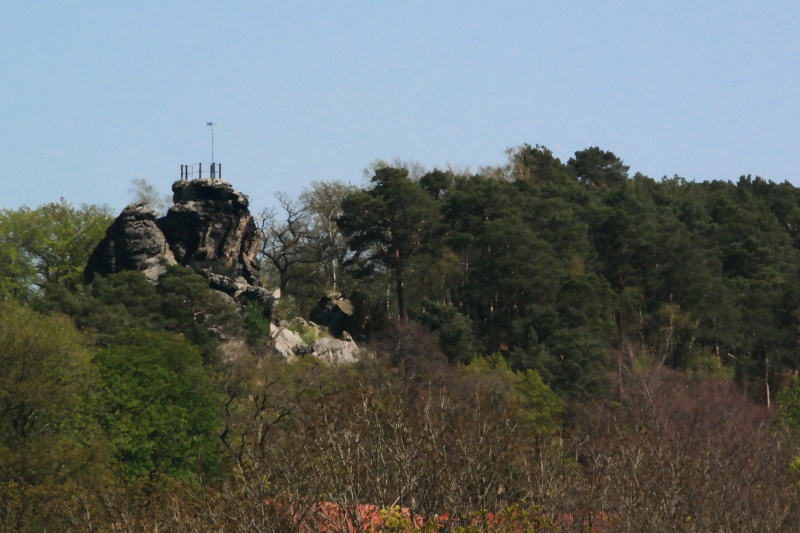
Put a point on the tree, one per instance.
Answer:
(181, 302)
(542, 406)
(455, 333)
(437, 183)
(302, 244)
(158, 406)
(538, 166)
(789, 403)
(597, 168)
(46, 431)
(323, 200)
(286, 239)
(49, 244)
(388, 224)
(145, 192)
(685, 454)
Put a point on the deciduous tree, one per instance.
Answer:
(46, 429)
(49, 244)
(159, 407)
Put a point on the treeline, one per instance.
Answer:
(565, 268)
(550, 347)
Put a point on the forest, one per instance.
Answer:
(547, 346)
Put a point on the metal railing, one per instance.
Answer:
(190, 172)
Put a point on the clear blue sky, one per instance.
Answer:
(95, 94)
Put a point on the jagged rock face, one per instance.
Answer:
(209, 228)
(132, 242)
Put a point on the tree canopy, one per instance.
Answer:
(48, 244)
(552, 346)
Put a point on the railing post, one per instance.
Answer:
(200, 171)
(220, 170)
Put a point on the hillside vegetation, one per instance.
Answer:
(548, 346)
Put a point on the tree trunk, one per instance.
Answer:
(398, 280)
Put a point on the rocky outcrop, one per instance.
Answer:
(209, 228)
(287, 344)
(133, 242)
(336, 351)
(298, 337)
(335, 312)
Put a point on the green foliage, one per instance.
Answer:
(562, 267)
(597, 168)
(307, 332)
(541, 405)
(49, 244)
(47, 432)
(286, 308)
(189, 306)
(708, 365)
(582, 281)
(181, 302)
(455, 333)
(256, 325)
(389, 224)
(158, 407)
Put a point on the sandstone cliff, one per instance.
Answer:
(209, 228)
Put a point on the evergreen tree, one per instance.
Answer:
(388, 224)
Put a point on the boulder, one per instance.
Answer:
(334, 312)
(132, 242)
(287, 344)
(242, 292)
(335, 351)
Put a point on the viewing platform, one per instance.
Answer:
(195, 171)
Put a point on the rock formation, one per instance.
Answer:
(209, 229)
(287, 343)
(335, 312)
(336, 351)
(133, 242)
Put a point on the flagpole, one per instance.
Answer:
(212, 124)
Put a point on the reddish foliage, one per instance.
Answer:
(328, 517)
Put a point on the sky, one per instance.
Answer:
(95, 94)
